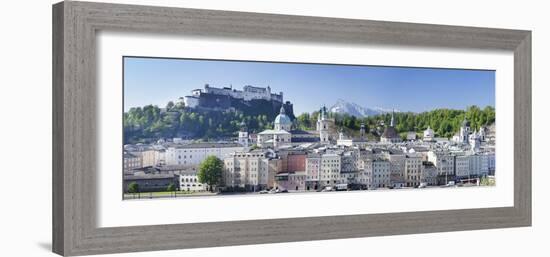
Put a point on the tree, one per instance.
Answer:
(210, 172)
(169, 105)
(133, 188)
(171, 187)
(486, 181)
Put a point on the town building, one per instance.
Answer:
(445, 164)
(131, 161)
(463, 135)
(291, 181)
(411, 136)
(349, 167)
(479, 165)
(330, 169)
(390, 134)
(313, 170)
(379, 170)
(280, 135)
(396, 159)
(150, 182)
(248, 170)
(490, 163)
(429, 135)
(462, 166)
(474, 142)
(413, 170)
(428, 174)
(194, 153)
(293, 160)
(283, 136)
(189, 181)
(360, 142)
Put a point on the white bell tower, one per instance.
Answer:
(243, 135)
(322, 126)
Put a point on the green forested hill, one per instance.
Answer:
(143, 124)
(445, 122)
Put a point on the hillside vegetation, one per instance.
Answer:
(144, 124)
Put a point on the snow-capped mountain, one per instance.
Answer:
(343, 107)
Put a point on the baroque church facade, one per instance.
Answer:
(283, 134)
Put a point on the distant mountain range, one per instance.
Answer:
(344, 107)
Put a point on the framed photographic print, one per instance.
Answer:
(184, 128)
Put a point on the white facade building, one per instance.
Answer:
(330, 169)
(193, 154)
(189, 181)
(413, 170)
(429, 135)
(479, 165)
(279, 136)
(445, 164)
(462, 166)
(248, 93)
(247, 170)
(380, 172)
(191, 101)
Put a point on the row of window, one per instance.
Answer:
(191, 185)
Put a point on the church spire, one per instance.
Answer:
(391, 122)
(322, 113)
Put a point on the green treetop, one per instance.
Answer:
(210, 172)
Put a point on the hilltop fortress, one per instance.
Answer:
(251, 99)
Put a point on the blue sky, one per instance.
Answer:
(309, 86)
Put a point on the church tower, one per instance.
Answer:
(243, 135)
(475, 142)
(464, 134)
(322, 126)
(341, 134)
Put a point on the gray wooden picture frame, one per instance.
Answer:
(75, 25)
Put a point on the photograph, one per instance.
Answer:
(205, 127)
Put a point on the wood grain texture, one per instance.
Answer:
(58, 230)
(74, 126)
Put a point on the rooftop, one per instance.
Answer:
(207, 145)
(148, 176)
(390, 132)
(275, 132)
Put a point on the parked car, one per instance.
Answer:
(354, 186)
(264, 192)
(423, 185)
(341, 187)
(327, 189)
